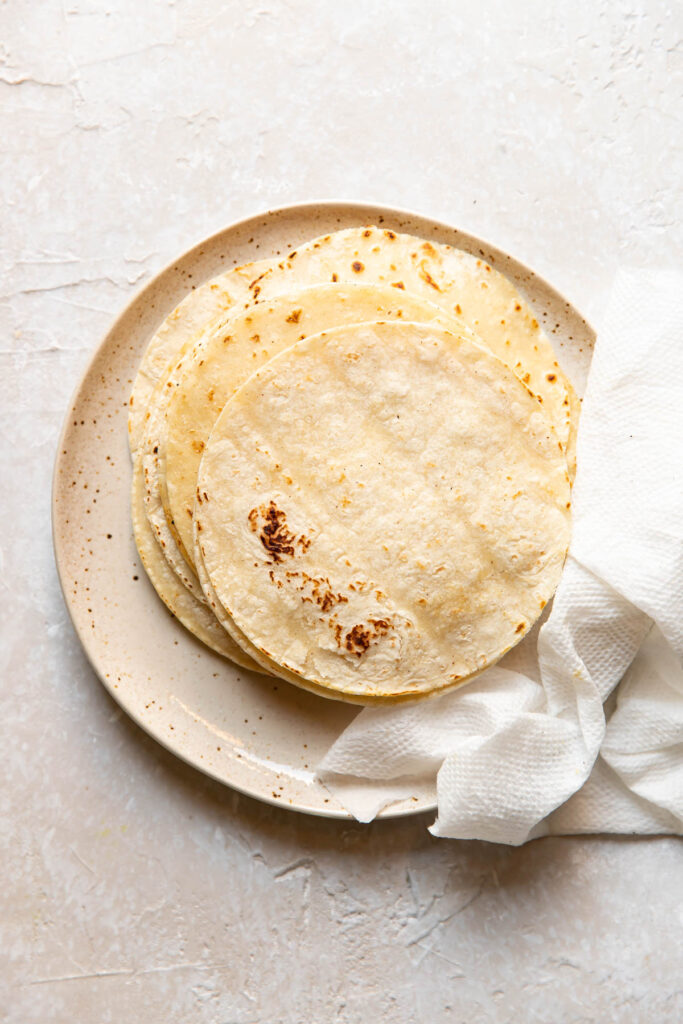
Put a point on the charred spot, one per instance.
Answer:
(294, 316)
(367, 233)
(198, 446)
(398, 284)
(210, 394)
(520, 627)
(321, 592)
(358, 639)
(390, 234)
(275, 536)
(335, 278)
(458, 308)
(517, 306)
(329, 600)
(426, 276)
(551, 377)
(357, 266)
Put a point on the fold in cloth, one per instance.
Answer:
(525, 749)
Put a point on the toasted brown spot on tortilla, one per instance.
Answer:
(426, 276)
(275, 536)
(359, 637)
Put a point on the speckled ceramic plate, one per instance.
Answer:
(261, 736)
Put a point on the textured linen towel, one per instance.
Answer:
(540, 744)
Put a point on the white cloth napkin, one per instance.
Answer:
(525, 750)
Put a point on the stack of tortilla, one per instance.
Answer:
(352, 466)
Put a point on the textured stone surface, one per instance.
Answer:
(132, 887)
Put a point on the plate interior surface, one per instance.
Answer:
(261, 736)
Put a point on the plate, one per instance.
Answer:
(258, 735)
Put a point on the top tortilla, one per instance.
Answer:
(383, 509)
